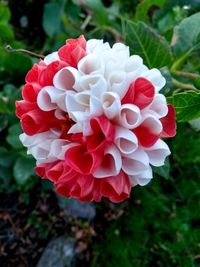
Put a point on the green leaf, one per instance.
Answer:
(6, 157)
(101, 14)
(164, 170)
(187, 105)
(52, 18)
(186, 153)
(151, 46)
(17, 63)
(3, 107)
(186, 34)
(143, 8)
(4, 13)
(6, 33)
(23, 169)
(197, 83)
(13, 136)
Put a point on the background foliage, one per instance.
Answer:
(160, 223)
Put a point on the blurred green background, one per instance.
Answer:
(160, 224)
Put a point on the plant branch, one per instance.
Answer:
(32, 54)
(186, 74)
(117, 35)
(184, 86)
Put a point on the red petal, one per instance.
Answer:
(104, 133)
(144, 93)
(33, 74)
(116, 188)
(80, 160)
(140, 93)
(146, 134)
(46, 76)
(73, 51)
(30, 91)
(23, 107)
(37, 121)
(169, 123)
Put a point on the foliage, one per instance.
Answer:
(160, 226)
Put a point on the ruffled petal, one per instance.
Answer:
(111, 164)
(125, 140)
(169, 123)
(158, 153)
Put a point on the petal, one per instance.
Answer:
(116, 188)
(143, 178)
(103, 133)
(149, 131)
(155, 77)
(111, 164)
(80, 160)
(91, 64)
(130, 116)
(44, 99)
(95, 83)
(51, 58)
(30, 91)
(159, 105)
(118, 83)
(135, 163)
(66, 78)
(111, 104)
(125, 140)
(169, 123)
(158, 153)
(23, 106)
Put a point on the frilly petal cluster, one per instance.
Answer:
(93, 119)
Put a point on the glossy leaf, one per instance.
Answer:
(187, 35)
(187, 105)
(151, 46)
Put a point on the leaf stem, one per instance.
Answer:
(32, 54)
(117, 35)
(184, 86)
(186, 74)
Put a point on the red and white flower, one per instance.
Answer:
(93, 119)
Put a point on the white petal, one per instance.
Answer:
(76, 128)
(143, 178)
(133, 63)
(59, 114)
(155, 77)
(66, 78)
(135, 163)
(111, 104)
(96, 46)
(158, 153)
(150, 121)
(96, 83)
(51, 58)
(95, 106)
(35, 139)
(41, 152)
(72, 104)
(91, 64)
(121, 50)
(111, 164)
(44, 100)
(159, 105)
(125, 140)
(118, 83)
(130, 116)
(59, 147)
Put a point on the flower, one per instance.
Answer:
(93, 119)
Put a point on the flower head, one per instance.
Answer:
(93, 119)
